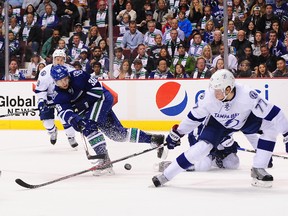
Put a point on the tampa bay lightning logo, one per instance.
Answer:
(43, 73)
(231, 123)
(253, 94)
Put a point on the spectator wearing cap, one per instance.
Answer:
(97, 72)
(99, 17)
(68, 13)
(253, 17)
(48, 21)
(184, 59)
(143, 25)
(128, 9)
(149, 36)
(261, 4)
(118, 6)
(132, 38)
(265, 23)
(162, 71)
(118, 58)
(138, 71)
(41, 8)
(84, 60)
(78, 29)
(196, 45)
(75, 50)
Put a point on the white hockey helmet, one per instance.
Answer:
(221, 79)
(59, 52)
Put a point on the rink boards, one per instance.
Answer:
(146, 104)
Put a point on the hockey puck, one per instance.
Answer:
(127, 166)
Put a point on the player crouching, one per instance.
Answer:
(85, 104)
(231, 107)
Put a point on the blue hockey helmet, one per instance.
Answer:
(58, 72)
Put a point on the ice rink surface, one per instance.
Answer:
(29, 155)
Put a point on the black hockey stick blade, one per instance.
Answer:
(30, 186)
(93, 157)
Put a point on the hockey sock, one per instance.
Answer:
(97, 142)
(137, 136)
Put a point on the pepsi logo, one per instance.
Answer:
(171, 98)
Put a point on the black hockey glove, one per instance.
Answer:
(83, 125)
(173, 139)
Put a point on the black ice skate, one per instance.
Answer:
(159, 180)
(72, 141)
(156, 140)
(261, 178)
(103, 168)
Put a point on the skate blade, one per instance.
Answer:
(263, 184)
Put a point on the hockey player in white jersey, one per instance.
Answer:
(231, 107)
(44, 91)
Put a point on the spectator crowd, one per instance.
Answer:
(155, 39)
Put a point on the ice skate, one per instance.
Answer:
(73, 143)
(159, 180)
(261, 178)
(156, 140)
(53, 136)
(103, 168)
(160, 167)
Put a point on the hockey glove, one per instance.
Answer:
(173, 139)
(285, 140)
(83, 125)
(42, 106)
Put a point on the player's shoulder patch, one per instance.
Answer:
(253, 94)
(43, 73)
(77, 73)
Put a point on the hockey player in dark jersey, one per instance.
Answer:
(84, 103)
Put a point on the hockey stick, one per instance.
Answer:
(31, 186)
(18, 113)
(89, 157)
(254, 151)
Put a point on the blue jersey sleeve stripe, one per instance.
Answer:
(273, 112)
(193, 118)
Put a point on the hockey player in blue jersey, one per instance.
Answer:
(231, 107)
(84, 103)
